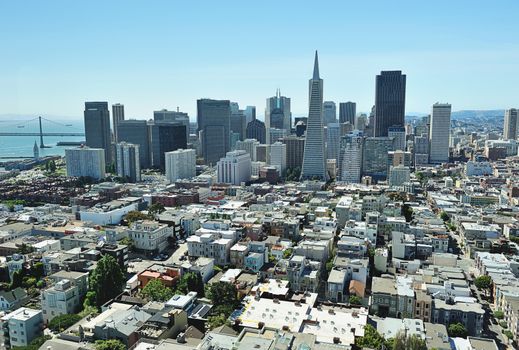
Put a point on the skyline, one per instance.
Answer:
(165, 55)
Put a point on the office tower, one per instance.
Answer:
(361, 122)
(398, 133)
(329, 112)
(409, 130)
(333, 139)
(346, 128)
(234, 168)
(263, 153)
(117, 116)
(389, 101)
(214, 127)
(300, 128)
(510, 127)
(165, 136)
(276, 134)
(233, 138)
(85, 161)
(238, 122)
(421, 149)
(35, 151)
(278, 157)
(137, 133)
(180, 164)
(248, 145)
(295, 151)
(175, 117)
(422, 126)
(277, 112)
(375, 157)
(256, 130)
(128, 161)
(350, 157)
(97, 128)
(439, 133)
(347, 112)
(314, 160)
(250, 113)
(398, 175)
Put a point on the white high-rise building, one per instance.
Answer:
(276, 134)
(234, 168)
(85, 161)
(314, 159)
(117, 116)
(398, 133)
(350, 167)
(510, 127)
(333, 139)
(180, 164)
(248, 145)
(278, 157)
(439, 133)
(128, 161)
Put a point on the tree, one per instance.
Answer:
(110, 344)
(128, 242)
(287, 253)
(457, 330)
(135, 215)
(17, 279)
(155, 290)
(407, 212)
(191, 281)
(222, 293)
(156, 208)
(38, 270)
(499, 314)
(52, 166)
(62, 322)
(444, 216)
(483, 283)
(413, 342)
(107, 280)
(35, 344)
(371, 339)
(25, 249)
(355, 300)
(216, 321)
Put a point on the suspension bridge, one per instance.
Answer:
(40, 134)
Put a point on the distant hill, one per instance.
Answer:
(477, 114)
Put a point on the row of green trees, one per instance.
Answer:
(374, 340)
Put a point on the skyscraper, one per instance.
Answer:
(250, 113)
(333, 139)
(280, 107)
(256, 130)
(180, 164)
(278, 157)
(398, 133)
(295, 151)
(248, 145)
(329, 112)
(214, 124)
(117, 116)
(440, 133)
(173, 116)
(347, 112)
(238, 121)
(389, 101)
(350, 157)
(128, 161)
(165, 137)
(97, 128)
(510, 127)
(314, 160)
(375, 157)
(137, 133)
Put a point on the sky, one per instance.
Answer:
(149, 55)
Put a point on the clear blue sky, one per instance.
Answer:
(150, 55)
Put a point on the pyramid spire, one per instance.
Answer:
(316, 67)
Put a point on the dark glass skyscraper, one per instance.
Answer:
(97, 128)
(214, 123)
(137, 133)
(165, 137)
(256, 130)
(347, 112)
(389, 101)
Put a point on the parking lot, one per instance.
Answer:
(173, 259)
